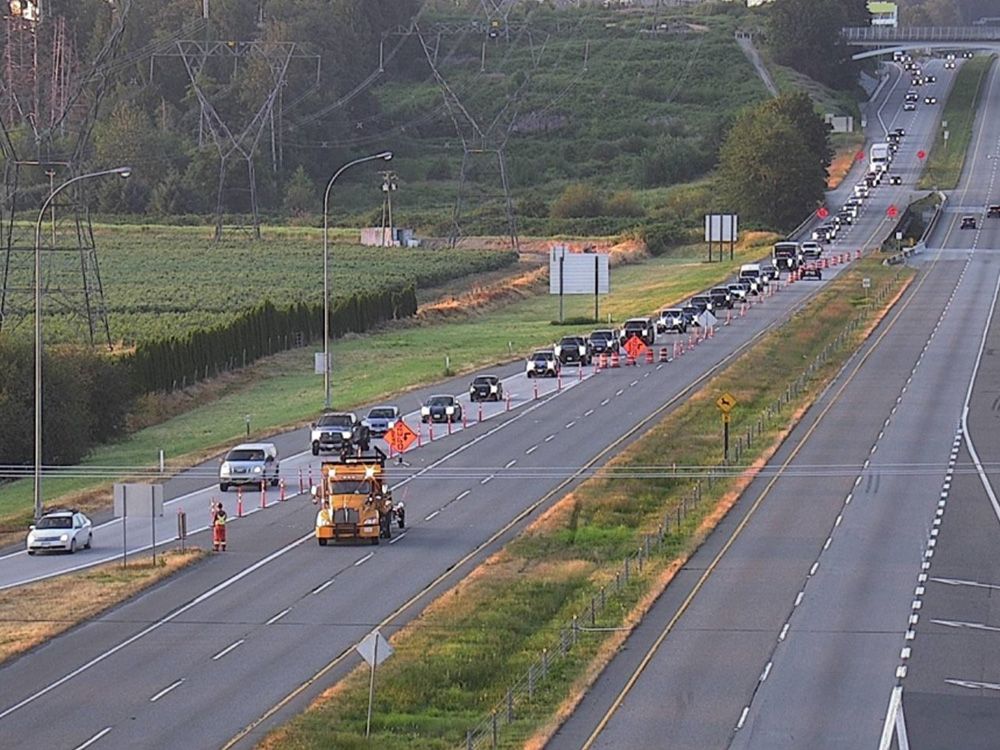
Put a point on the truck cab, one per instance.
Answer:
(357, 503)
(786, 255)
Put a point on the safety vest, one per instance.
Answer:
(220, 519)
(323, 518)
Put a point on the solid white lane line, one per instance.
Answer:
(322, 586)
(364, 559)
(973, 684)
(218, 588)
(743, 717)
(531, 450)
(230, 647)
(93, 739)
(166, 690)
(397, 538)
(284, 612)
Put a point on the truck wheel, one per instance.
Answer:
(315, 449)
(365, 446)
(223, 487)
(322, 542)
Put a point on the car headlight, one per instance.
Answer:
(449, 410)
(225, 467)
(493, 389)
(64, 538)
(346, 434)
(256, 470)
(391, 423)
(425, 410)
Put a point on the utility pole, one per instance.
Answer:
(390, 183)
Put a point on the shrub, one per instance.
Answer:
(578, 201)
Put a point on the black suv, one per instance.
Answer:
(339, 432)
(573, 349)
(486, 388)
(604, 341)
(993, 212)
(702, 302)
(642, 328)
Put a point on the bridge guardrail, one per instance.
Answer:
(866, 34)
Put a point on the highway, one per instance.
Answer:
(192, 662)
(788, 628)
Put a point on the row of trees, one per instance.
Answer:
(168, 364)
(86, 398)
(88, 395)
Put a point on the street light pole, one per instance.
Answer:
(385, 156)
(122, 172)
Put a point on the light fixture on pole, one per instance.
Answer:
(121, 172)
(385, 156)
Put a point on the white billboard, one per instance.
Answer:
(578, 273)
(721, 227)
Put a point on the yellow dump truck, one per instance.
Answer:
(356, 503)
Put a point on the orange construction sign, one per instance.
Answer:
(400, 437)
(635, 347)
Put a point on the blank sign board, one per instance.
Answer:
(721, 227)
(578, 273)
(137, 500)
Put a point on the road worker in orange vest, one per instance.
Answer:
(219, 519)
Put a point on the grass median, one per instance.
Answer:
(34, 613)
(454, 665)
(283, 391)
(947, 157)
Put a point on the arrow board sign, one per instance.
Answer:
(578, 273)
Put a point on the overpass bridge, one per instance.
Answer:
(884, 40)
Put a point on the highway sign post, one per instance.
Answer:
(721, 228)
(866, 284)
(374, 649)
(584, 272)
(725, 403)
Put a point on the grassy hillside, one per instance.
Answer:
(589, 96)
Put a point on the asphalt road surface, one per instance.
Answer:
(192, 662)
(787, 628)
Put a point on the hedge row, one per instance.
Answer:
(168, 364)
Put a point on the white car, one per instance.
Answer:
(64, 530)
(249, 463)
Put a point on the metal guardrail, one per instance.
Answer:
(887, 34)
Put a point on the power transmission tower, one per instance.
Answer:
(48, 106)
(234, 137)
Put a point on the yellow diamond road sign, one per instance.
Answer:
(726, 403)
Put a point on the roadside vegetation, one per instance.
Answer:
(453, 665)
(947, 158)
(36, 612)
(283, 391)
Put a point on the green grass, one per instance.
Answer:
(947, 158)
(368, 368)
(453, 665)
(162, 281)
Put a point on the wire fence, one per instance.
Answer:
(672, 529)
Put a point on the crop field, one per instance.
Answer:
(167, 281)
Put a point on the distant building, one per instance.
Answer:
(884, 14)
